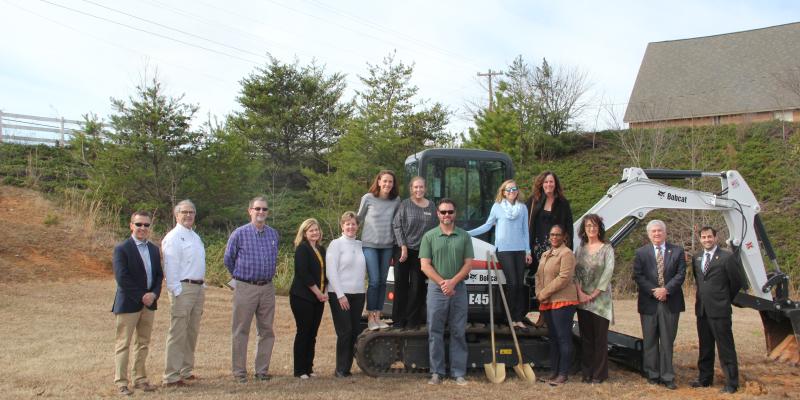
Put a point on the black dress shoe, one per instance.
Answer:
(670, 385)
(653, 381)
(699, 384)
(341, 374)
(728, 389)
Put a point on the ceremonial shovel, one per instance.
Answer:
(495, 372)
(524, 371)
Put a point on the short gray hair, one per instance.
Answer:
(186, 202)
(258, 198)
(655, 222)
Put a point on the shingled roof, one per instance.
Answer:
(732, 73)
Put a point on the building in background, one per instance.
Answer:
(731, 78)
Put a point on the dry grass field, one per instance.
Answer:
(57, 335)
(57, 341)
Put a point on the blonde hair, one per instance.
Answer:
(499, 197)
(348, 215)
(304, 227)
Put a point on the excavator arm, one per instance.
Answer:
(638, 193)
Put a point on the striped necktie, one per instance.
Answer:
(660, 267)
(705, 264)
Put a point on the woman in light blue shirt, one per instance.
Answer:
(509, 216)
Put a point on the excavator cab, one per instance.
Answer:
(468, 177)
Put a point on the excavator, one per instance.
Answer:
(471, 177)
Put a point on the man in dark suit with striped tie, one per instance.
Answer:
(137, 270)
(659, 270)
(717, 275)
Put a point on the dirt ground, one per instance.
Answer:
(57, 336)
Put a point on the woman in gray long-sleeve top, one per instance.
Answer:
(375, 214)
(415, 216)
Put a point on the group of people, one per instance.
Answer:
(434, 260)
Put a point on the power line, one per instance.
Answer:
(110, 43)
(407, 37)
(175, 29)
(151, 33)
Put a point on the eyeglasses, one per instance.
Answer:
(447, 212)
(265, 209)
(512, 189)
(187, 212)
(141, 224)
(556, 234)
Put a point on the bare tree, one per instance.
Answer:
(645, 146)
(559, 93)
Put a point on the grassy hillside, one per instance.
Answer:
(767, 155)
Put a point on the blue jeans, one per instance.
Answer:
(453, 311)
(377, 270)
(559, 331)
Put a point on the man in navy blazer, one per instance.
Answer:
(137, 270)
(659, 270)
(717, 275)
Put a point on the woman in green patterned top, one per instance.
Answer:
(595, 266)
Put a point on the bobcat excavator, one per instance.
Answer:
(471, 177)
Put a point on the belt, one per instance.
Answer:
(257, 283)
(195, 281)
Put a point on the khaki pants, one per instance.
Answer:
(142, 323)
(185, 314)
(250, 300)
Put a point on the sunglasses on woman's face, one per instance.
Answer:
(511, 189)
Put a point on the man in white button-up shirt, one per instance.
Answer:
(185, 270)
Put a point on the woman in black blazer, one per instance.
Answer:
(308, 295)
(547, 207)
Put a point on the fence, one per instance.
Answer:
(30, 129)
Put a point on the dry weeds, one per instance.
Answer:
(58, 343)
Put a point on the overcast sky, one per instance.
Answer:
(65, 58)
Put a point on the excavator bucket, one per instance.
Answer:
(782, 334)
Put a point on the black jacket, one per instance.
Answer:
(645, 273)
(132, 279)
(562, 214)
(307, 271)
(718, 286)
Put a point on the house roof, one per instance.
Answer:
(732, 73)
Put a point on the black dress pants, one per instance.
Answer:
(594, 345)
(719, 331)
(307, 317)
(346, 324)
(513, 263)
(410, 288)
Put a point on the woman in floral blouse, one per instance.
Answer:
(595, 266)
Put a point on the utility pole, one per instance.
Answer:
(490, 74)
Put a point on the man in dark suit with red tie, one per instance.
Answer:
(717, 275)
(659, 270)
(137, 270)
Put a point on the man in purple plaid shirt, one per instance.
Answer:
(251, 257)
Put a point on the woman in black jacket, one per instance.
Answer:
(547, 207)
(308, 295)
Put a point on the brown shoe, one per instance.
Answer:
(560, 380)
(124, 391)
(177, 384)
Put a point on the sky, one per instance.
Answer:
(67, 58)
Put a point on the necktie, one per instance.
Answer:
(705, 264)
(660, 266)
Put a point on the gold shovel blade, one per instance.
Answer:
(524, 371)
(495, 373)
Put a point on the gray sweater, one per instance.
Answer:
(375, 216)
(412, 221)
